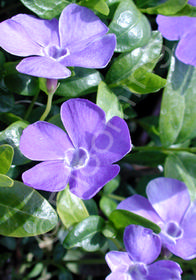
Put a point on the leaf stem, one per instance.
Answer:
(48, 107)
(116, 197)
(164, 150)
(30, 108)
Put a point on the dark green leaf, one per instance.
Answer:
(187, 10)
(109, 102)
(149, 158)
(24, 212)
(6, 157)
(86, 234)
(70, 208)
(7, 102)
(131, 27)
(122, 218)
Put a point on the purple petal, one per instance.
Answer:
(82, 119)
(44, 141)
(186, 51)
(97, 54)
(141, 244)
(118, 261)
(87, 181)
(172, 28)
(49, 176)
(192, 2)
(78, 26)
(41, 31)
(165, 194)
(15, 39)
(163, 270)
(113, 142)
(119, 276)
(140, 206)
(44, 67)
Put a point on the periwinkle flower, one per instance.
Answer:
(83, 156)
(181, 28)
(169, 206)
(78, 39)
(142, 249)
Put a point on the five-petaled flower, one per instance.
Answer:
(83, 157)
(78, 39)
(142, 248)
(169, 206)
(181, 28)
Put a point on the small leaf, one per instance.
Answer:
(86, 234)
(107, 205)
(70, 208)
(123, 218)
(98, 5)
(24, 212)
(6, 181)
(6, 157)
(112, 185)
(109, 102)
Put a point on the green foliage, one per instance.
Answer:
(97, 5)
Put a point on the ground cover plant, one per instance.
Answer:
(98, 139)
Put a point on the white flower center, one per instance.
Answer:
(138, 271)
(76, 158)
(55, 52)
(174, 230)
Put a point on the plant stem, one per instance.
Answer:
(30, 108)
(164, 150)
(116, 197)
(48, 107)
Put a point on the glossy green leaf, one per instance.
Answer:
(169, 7)
(123, 218)
(7, 102)
(86, 234)
(178, 108)
(6, 157)
(109, 102)
(70, 208)
(11, 135)
(182, 166)
(126, 64)
(85, 81)
(5, 181)
(112, 185)
(187, 10)
(131, 27)
(24, 212)
(47, 9)
(97, 5)
(107, 205)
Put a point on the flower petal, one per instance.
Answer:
(45, 67)
(173, 28)
(87, 181)
(44, 141)
(41, 31)
(78, 26)
(119, 276)
(140, 206)
(118, 261)
(165, 194)
(82, 119)
(49, 176)
(141, 244)
(185, 50)
(192, 2)
(15, 39)
(113, 142)
(97, 54)
(164, 269)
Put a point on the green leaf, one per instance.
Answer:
(5, 181)
(24, 212)
(70, 208)
(188, 10)
(112, 185)
(108, 101)
(131, 27)
(182, 166)
(170, 7)
(47, 9)
(6, 157)
(126, 64)
(97, 5)
(7, 102)
(84, 82)
(86, 234)
(107, 205)
(11, 135)
(123, 218)
(178, 114)
(2, 61)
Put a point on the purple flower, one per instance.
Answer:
(143, 247)
(182, 29)
(83, 157)
(169, 206)
(77, 39)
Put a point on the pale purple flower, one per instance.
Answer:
(183, 29)
(142, 248)
(78, 39)
(169, 206)
(83, 156)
